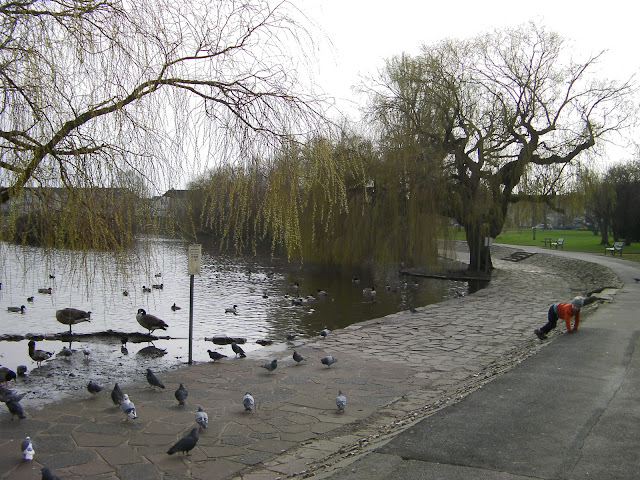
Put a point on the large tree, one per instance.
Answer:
(97, 91)
(486, 111)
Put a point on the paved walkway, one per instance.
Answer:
(395, 371)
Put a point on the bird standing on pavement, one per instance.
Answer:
(93, 387)
(202, 418)
(341, 401)
(412, 309)
(28, 449)
(181, 395)
(297, 357)
(271, 366)
(290, 336)
(215, 355)
(15, 409)
(47, 475)
(116, 395)
(186, 443)
(128, 408)
(153, 380)
(237, 350)
(71, 316)
(150, 322)
(328, 360)
(248, 402)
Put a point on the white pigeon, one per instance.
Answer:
(28, 449)
(202, 418)
(128, 408)
(341, 401)
(248, 402)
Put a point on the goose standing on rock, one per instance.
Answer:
(19, 309)
(150, 322)
(71, 316)
(38, 356)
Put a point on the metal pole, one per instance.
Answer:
(191, 321)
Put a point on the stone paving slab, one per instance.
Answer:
(394, 371)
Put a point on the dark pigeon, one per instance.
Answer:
(117, 396)
(16, 410)
(21, 370)
(186, 443)
(93, 388)
(6, 375)
(325, 332)
(328, 360)
(47, 475)
(271, 366)
(237, 350)
(153, 380)
(181, 395)
(297, 357)
(412, 309)
(215, 355)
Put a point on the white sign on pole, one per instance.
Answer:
(488, 241)
(195, 257)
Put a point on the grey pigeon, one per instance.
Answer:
(328, 360)
(6, 375)
(47, 475)
(117, 396)
(237, 350)
(325, 332)
(412, 309)
(65, 352)
(290, 336)
(181, 394)
(21, 370)
(93, 387)
(341, 401)
(271, 366)
(86, 353)
(8, 395)
(150, 322)
(215, 355)
(297, 357)
(202, 418)
(153, 380)
(28, 449)
(186, 443)
(71, 316)
(15, 409)
(248, 402)
(128, 408)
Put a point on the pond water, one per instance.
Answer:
(260, 287)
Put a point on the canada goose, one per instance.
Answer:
(38, 356)
(158, 275)
(145, 289)
(20, 309)
(158, 286)
(45, 290)
(232, 310)
(150, 322)
(71, 316)
(294, 286)
(369, 291)
(175, 307)
(355, 280)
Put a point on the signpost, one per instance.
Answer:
(195, 260)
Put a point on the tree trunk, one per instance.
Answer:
(604, 230)
(479, 253)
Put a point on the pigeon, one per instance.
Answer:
(150, 322)
(128, 408)
(186, 443)
(328, 360)
(19, 309)
(412, 309)
(153, 380)
(202, 418)
(47, 475)
(271, 366)
(124, 350)
(21, 370)
(117, 396)
(71, 316)
(297, 357)
(233, 310)
(325, 332)
(28, 449)
(7, 395)
(65, 352)
(290, 336)
(175, 307)
(248, 402)
(93, 387)
(341, 401)
(6, 375)
(237, 350)
(215, 355)
(86, 353)
(38, 356)
(181, 395)
(15, 409)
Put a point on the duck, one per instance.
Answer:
(369, 291)
(71, 316)
(125, 293)
(157, 286)
(355, 280)
(45, 290)
(30, 299)
(145, 289)
(19, 309)
(150, 322)
(158, 275)
(38, 356)
(232, 310)
(175, 307)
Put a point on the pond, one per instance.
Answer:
(273, 297)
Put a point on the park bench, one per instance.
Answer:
(558, 243)
(547, 240)
(617, 247)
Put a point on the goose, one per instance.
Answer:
(71, 316)
(158, 275)
(125, 293)
(370, 292)
(38, 356)
(45, 290)
(175, 307)
(321, 293)
(145, 289)
(355, 280)
(232, 310)
(157, 286)
(20, 309)
(150, 322)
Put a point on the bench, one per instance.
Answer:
(558, 243)
(547, 240)
(617, 247)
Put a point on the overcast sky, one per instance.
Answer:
(365, 32)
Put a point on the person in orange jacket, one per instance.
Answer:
(564, 311)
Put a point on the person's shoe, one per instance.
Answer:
(539, 334)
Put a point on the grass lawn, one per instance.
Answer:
(574, 240)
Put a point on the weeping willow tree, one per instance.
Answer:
(107, 102)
